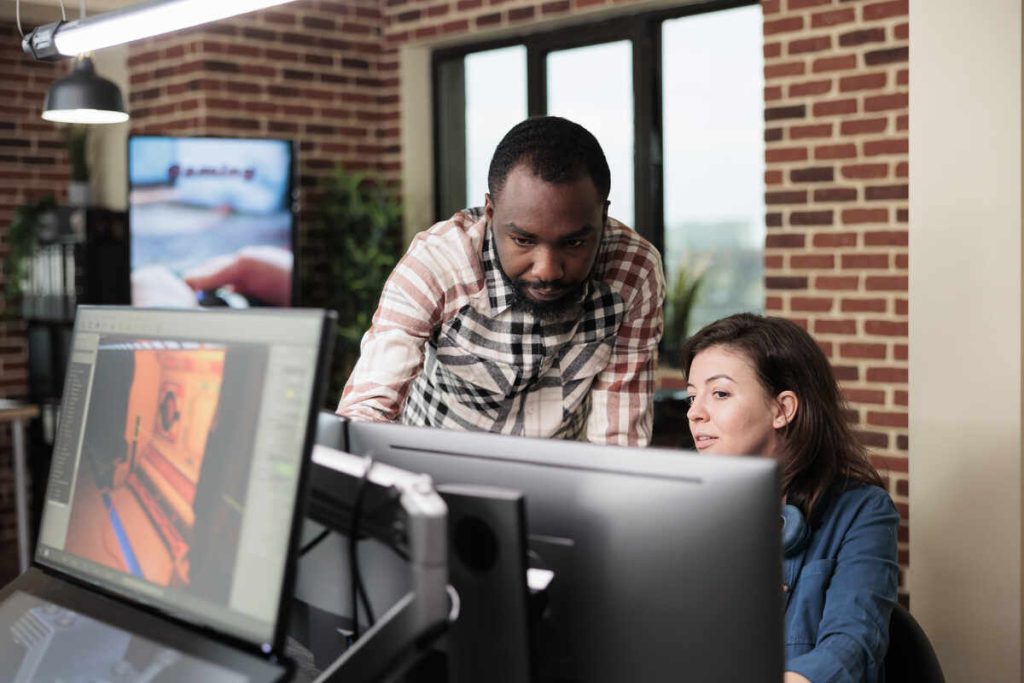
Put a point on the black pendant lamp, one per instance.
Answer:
(83, 96)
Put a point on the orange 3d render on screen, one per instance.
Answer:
(145, 483)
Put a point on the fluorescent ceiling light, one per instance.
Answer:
(144, 20)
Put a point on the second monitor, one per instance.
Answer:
(667, 564)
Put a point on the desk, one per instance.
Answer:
(15, 413)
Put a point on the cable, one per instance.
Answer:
(314, 542)
(358, 590)
(63, 15)
(17, 16)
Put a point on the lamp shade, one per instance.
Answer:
(83, 96)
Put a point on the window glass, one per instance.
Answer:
(606, 110)
(495, 101)
(712, 69)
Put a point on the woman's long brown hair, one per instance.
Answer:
(821, 449)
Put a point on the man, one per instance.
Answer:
(537, 316)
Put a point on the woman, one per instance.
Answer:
(761, 386)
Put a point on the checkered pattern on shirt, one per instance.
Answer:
(447, 349)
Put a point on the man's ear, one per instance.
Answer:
(786, 405)
(604, 213)
(488, 206)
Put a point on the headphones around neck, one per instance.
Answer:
(795, 530)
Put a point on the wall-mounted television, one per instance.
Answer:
(211, 221)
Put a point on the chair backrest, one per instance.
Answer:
(911, 658)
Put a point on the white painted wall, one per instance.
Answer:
(965, 334)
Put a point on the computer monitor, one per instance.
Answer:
(180, 458)
(667, 564)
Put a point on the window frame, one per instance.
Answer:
(643, 30)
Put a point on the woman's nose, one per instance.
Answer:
(695, 413)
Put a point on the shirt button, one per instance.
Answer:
(785, 588)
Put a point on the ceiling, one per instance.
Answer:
(35, 12)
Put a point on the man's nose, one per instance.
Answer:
(547, 265)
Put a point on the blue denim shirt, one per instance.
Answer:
(841, 588)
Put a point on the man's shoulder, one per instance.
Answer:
(627, 257)
(455, 242)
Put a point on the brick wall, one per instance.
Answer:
(325, 74)
(33, 162)
(836, 90)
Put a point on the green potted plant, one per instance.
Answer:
(355, 241)
(680, 299)
(22, 236)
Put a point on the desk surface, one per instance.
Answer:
(16, 410)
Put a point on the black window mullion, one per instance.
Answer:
(536, 80)
(649, 199)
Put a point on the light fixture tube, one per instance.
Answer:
(144, 20)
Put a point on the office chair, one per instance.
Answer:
(910, 658)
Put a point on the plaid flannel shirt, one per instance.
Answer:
(447, 348)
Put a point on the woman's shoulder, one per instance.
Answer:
(855, 499)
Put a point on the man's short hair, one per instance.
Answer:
(556, 150)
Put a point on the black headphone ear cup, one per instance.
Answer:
(795, 530)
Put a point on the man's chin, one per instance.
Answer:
(549, 308)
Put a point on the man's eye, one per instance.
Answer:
(521, 241)
(575, 244)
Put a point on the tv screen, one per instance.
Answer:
(210, 221)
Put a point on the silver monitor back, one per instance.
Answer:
(667, 563)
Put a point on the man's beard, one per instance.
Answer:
(556, 309)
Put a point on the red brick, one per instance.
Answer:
(804, 4)
(772, 50)
(770, 6)
(836, 283)
(885, 10)
(773, 177)
(902, 305)
(886, 102)
(883, 192)
(900, 351)
(783, 25)
(840, 63)
(884, 462)
(885, 419)
(823, 130)
(901, 398)
(862, 82)
(894, 238)
(835, 107)
(773, 262)
(857, 216)
(805, 45)
(786, 197)
(884, 147)
(860, 126)
(811, 304)
(773, 303)
(773, 93)
(903, 122)
(862, 350)
(891, 283)
(886, 328)
(835, 194)
(835, 239)
(844, 151)
(810, 88)
(785, 282)
(892, 375)
(864, 171)
(787, 69)
(864, 261)
(785, 154)
(832, 17)
(789, 240)
(901, 31)
(848, 327)
(875, 396)
(811, 218)
(802, 261)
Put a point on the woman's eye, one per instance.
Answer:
(718, 393)
(689, 400)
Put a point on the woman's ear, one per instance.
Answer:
(786, 404)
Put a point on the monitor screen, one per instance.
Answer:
(44, 641)
(182, 443)
(210, 221)
(666, 563)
